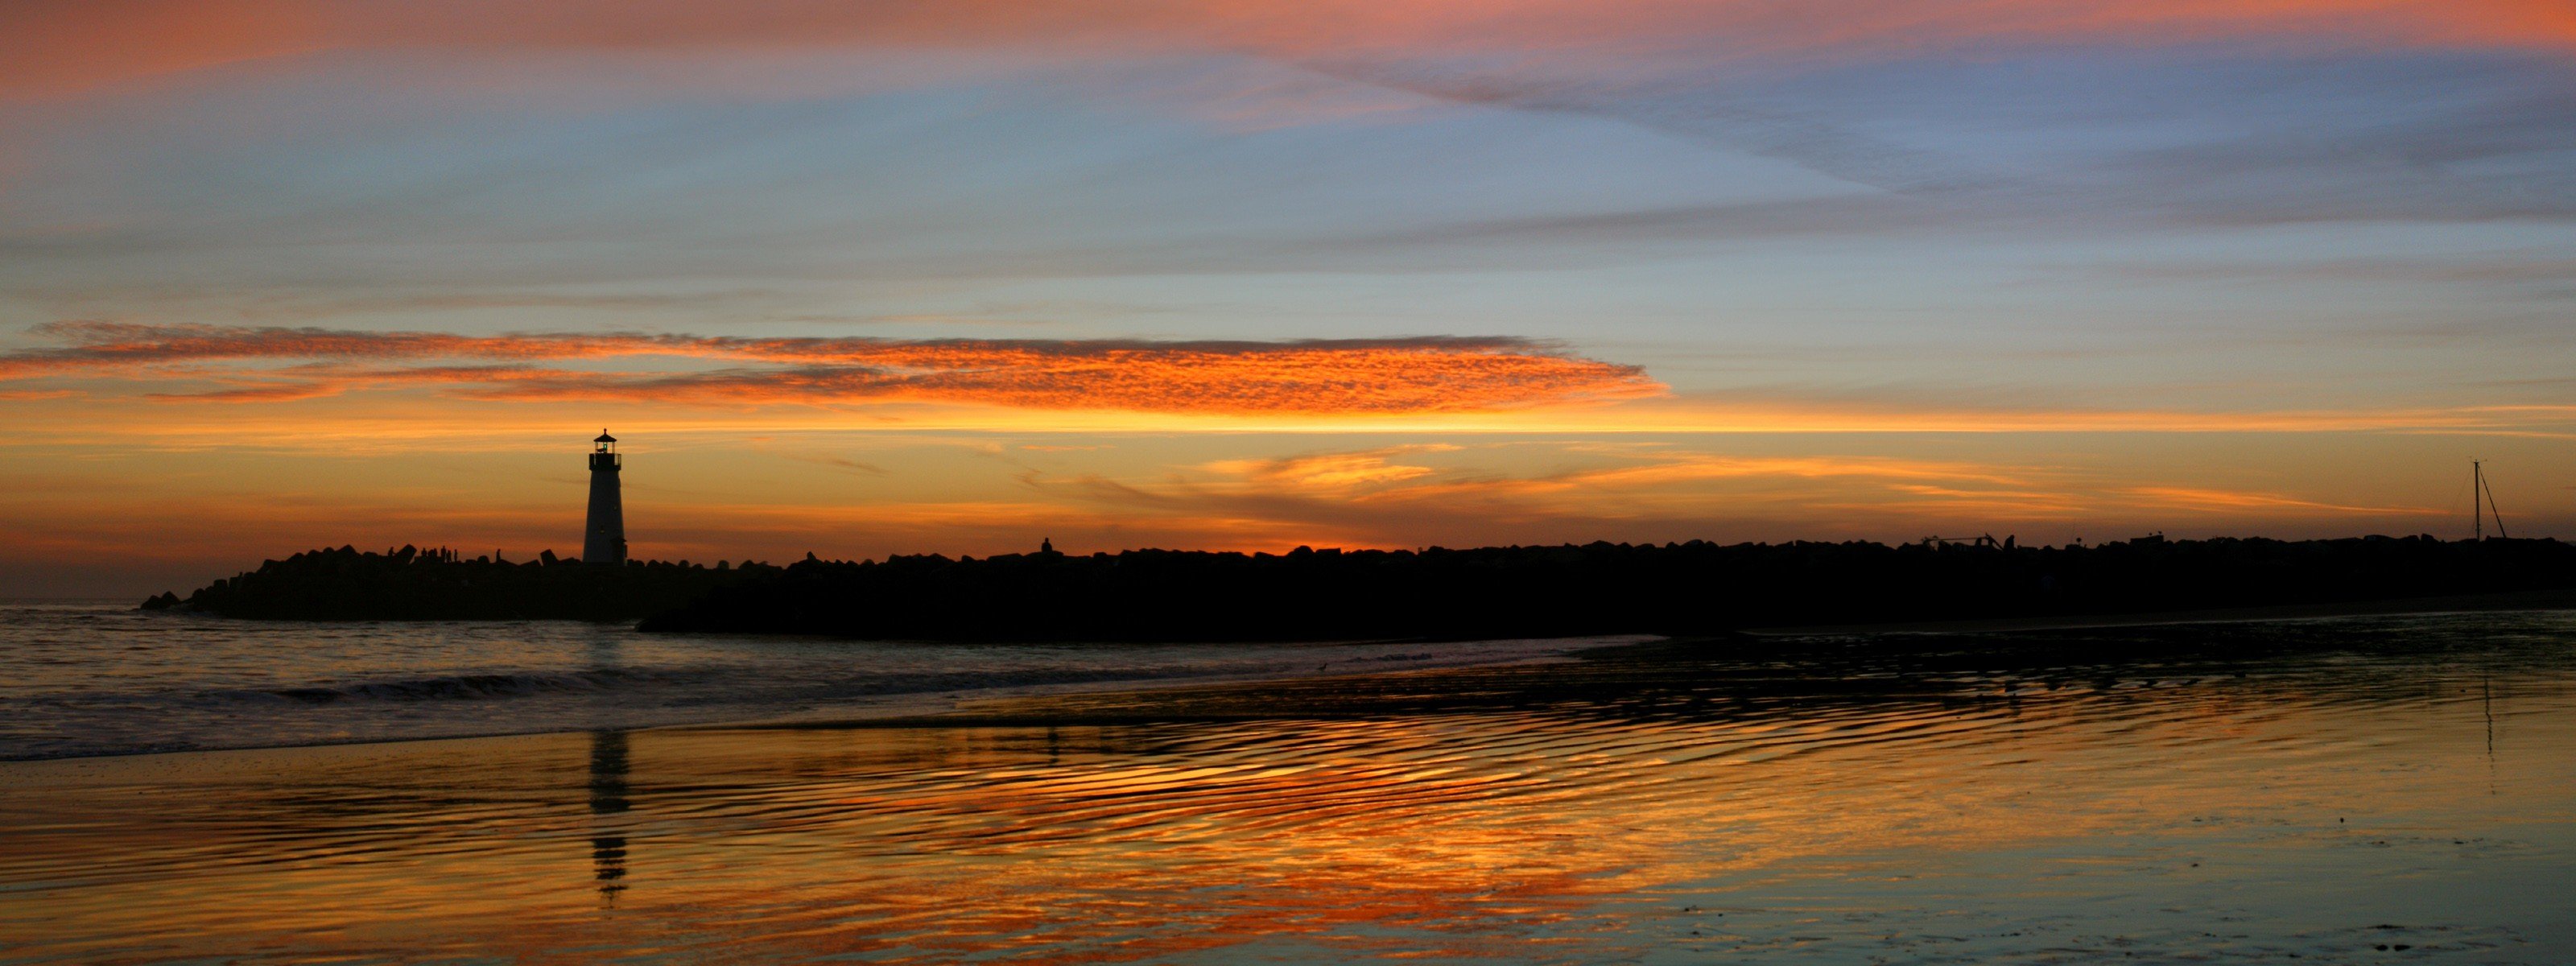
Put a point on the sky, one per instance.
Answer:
(869, 278)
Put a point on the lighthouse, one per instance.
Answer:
(604, 542)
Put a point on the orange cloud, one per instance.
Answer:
(1314, 377)
(277, 392)
(2230, 501)
(1663, 495)
(59, 45)
(1367, 490)
(1332, 470)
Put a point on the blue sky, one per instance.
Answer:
(2313, 231)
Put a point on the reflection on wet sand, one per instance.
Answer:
(607, 800)
(1951, 799)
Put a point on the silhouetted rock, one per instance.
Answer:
(1310, 594)
(411, 584)
(1598, 588)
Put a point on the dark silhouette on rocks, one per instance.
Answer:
(438, 584)
(1598, 588)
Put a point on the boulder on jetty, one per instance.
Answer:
(1598, 588)
(1492, 592)
(440, 584)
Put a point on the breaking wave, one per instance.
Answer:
(104, 679)
(468, 687)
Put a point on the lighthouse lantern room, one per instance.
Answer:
(604, 542)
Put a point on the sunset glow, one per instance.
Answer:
(1324, 377)
(904, 278)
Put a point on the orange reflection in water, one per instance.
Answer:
(2012, 813)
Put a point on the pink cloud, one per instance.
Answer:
(60, 45)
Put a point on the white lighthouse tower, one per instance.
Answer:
(604, 542)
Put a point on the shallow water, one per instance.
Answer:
(103, 678)
(2382, 790)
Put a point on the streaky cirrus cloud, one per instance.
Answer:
(58, 45)
(1333, 470)
(1379, 497)
(1336, 376)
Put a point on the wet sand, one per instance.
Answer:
(2338, 791)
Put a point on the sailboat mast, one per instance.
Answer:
(2492, 509)
(2477, 508)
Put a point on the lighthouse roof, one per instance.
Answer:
(604, 437)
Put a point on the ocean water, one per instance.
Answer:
(93, 678)
(2381, 790)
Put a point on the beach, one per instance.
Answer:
(2339, 790)
(1197, 483)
